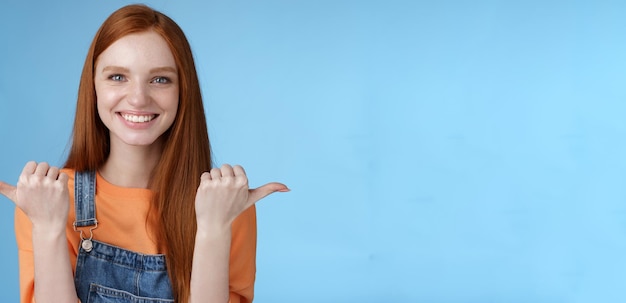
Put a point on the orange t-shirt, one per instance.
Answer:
(121, 214)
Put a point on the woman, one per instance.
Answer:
(137, 214)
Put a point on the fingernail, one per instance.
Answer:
(284, 190)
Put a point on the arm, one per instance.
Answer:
(42, 197)
(223, 195)
(209, 274)
(54, 280)
(240, 270)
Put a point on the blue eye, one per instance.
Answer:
(161, 80)
(117, 77)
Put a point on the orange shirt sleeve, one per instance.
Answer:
(243, 257)
(23, 236)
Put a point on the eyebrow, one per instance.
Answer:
(152, 71)
(115, 69)
(163, 69)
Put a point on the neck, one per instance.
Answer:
(131, 166)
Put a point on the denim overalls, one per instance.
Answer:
(109, 274)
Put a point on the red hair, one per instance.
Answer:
(186, 150)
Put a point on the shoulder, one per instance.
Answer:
(246, 220)
(70, 180)
(244, 229)
(243, 254)
(69, 172)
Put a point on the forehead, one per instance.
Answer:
(134, 51)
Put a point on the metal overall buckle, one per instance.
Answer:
(86, 243)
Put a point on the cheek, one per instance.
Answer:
(102, 113)
(99, 105)
(172, 101)
(107, 97)
(174, 110)
(105, 101)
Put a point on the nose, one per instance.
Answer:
(138, 95)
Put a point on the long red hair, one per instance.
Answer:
(186, 151)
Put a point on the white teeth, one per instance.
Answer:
(138, 119)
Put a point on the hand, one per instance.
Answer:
(223, 195)
(42, 194)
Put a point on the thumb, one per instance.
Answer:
(8, 191)
(263, 191)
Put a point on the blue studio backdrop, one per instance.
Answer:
(437, 151)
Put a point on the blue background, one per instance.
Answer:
(437, 151)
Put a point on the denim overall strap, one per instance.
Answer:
(106, 273)
(84, 204)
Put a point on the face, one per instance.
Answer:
(136, 83)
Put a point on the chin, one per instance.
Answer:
(140, 142)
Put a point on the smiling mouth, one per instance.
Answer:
(138, 118)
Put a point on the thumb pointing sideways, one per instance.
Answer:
(265, 190)
(8, 191)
